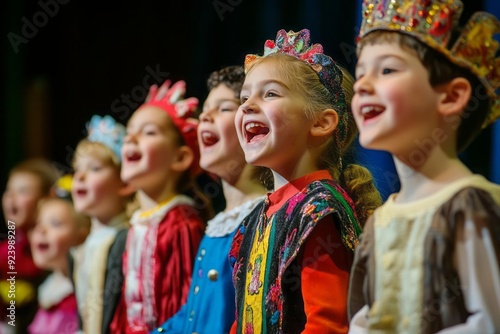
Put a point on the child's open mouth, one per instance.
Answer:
(371, 111)
(42, 246)
(208, 138)
(133, 156)
(255, 131)
(81, 192)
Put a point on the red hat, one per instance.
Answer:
(180, 111)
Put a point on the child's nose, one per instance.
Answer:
(248, 107)
(79, 175)
(363, 85)
(129, 138)
(206, 115)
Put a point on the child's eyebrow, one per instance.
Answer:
(385, 56)
(222, 100)
(267, 82)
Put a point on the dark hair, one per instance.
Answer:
(231, 76)
(442, 70)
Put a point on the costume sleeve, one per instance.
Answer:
(359, 281)
(324, 279)
(476, 259)
(119, 320)
(178, 239)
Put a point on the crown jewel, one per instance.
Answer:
(107, 131)
(432, 22)
(298, 45)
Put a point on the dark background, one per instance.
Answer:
(63, 61)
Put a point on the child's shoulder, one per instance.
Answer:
(466, 194)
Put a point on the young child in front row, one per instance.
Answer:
(98, 192)
(29, 181)
(59, 228)
(210, 303)
(293, 254)
(160, 159)
(429, 259)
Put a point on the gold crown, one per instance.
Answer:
(432, 23)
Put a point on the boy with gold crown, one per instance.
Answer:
(428, 260)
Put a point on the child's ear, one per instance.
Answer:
(126, 190)
(183, 159)
(454, 96)
(326, 123)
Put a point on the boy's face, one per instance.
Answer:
(53, 235)
(271, 123)
(394, 105)
(149, 148)
(20, 198)
(220, 150)
(95, 187)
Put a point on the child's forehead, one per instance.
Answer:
(265, 73)
(55, 207)
(25, 177)
(93, 152)
(382, 50)
(221, 93)
(149, 115)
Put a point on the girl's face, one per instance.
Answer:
(220, 150)
(20, 198)
(53, 235)
(394, 104)
(96, 188)
(271, 124)
(149, 149)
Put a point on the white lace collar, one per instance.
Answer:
(225, 222)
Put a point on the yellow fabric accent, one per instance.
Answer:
(254, 284)
(151, 211)
(24, 292)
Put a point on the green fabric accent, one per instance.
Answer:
(350, 212)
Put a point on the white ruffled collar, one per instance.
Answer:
(53, 290)
(156, 214)
(226, 222)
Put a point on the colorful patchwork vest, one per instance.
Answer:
(266, 277)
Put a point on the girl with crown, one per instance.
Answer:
(292, 255)
(99, 193)
(160, 159)
(429, 257)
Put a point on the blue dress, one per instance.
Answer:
(210, 306)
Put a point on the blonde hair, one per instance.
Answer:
(357, 180)
(99, 150)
